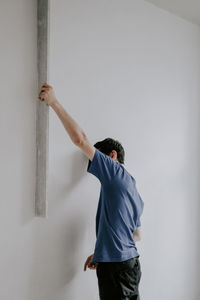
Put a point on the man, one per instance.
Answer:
(120, 206)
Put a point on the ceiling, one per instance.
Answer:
(187, 9)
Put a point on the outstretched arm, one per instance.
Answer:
(76, 134)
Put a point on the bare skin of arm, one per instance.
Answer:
(137, 234)
(76, 134)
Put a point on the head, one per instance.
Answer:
(112, 148)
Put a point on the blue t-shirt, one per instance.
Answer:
(119, 209)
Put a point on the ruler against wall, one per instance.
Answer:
(42, 111)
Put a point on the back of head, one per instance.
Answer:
(109, 144)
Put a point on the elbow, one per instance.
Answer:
(79, 140)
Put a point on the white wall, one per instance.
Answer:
(18, 87)
(122, 69)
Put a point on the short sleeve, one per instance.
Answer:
(138, 223)
(103, 167)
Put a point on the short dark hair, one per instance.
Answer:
(107, 145)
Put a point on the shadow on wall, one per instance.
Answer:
(74, 165)
(56, 189)
(59, 239)
(57, 255)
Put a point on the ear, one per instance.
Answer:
(113, 154)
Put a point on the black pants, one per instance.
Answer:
(119, 280)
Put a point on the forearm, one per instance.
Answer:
(75, 132)
(136, 237)
(137, 234)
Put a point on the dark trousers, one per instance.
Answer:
(119, 280)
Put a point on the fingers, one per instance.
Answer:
(45, 84)
(42, 95)
(44, 89)
(91, 265)
(86, 263)
(47, 93)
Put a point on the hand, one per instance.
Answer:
(91, 265)
(47, 94)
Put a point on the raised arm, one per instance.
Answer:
(76, 134)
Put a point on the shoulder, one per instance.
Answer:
(103, 167)
(88, 149)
